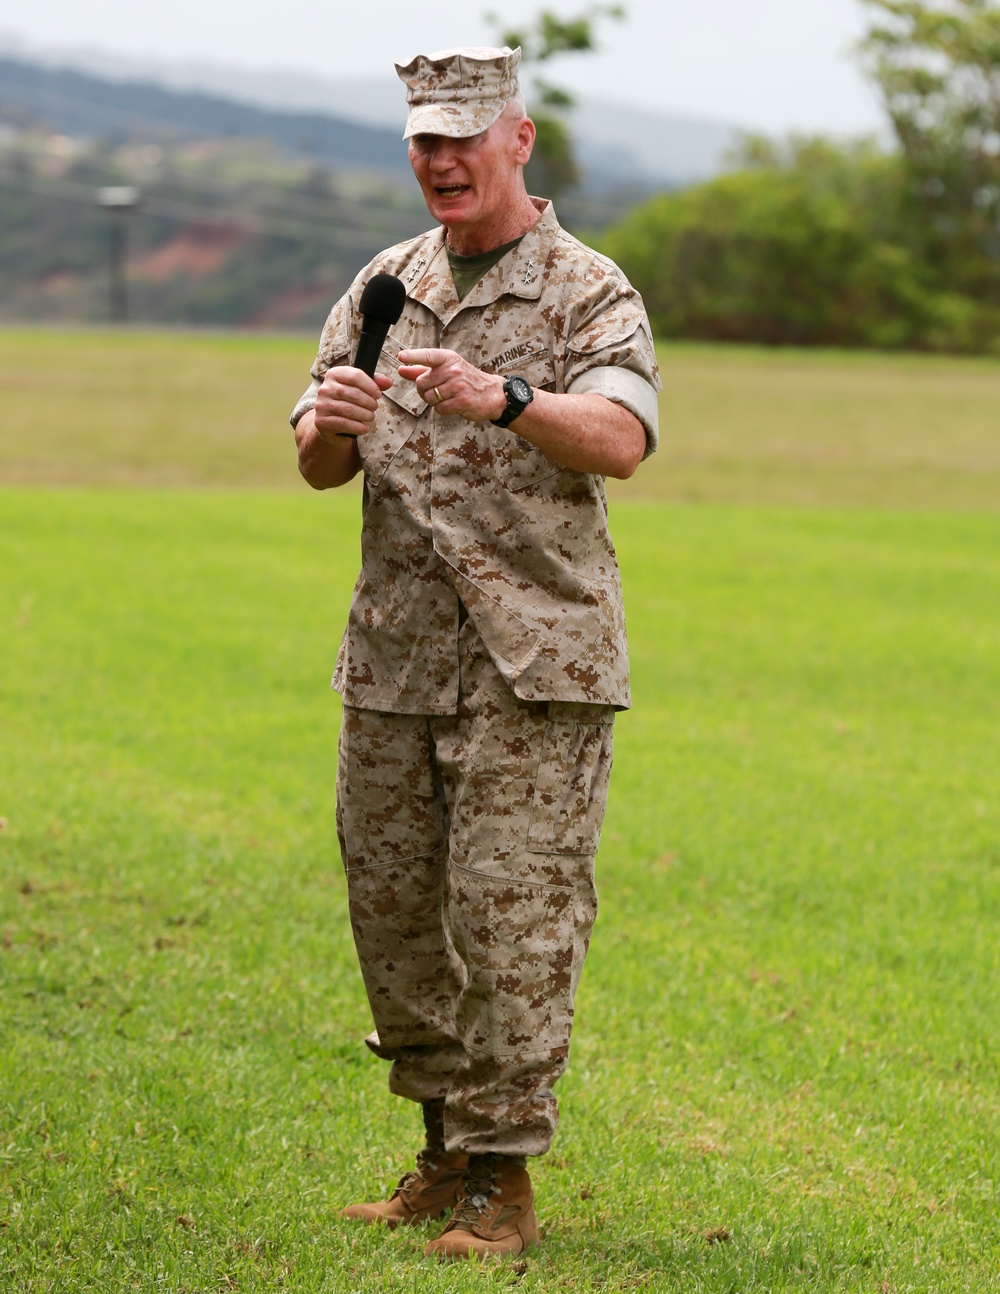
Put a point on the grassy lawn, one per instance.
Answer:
(785, 1067)
(739, 425)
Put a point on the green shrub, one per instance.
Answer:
(807, 249)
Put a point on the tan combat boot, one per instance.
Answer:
(427, 1191)
(496, 1214)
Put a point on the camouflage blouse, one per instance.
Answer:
(462, 512)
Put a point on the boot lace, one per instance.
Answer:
(479, 1186)
(414, 1179)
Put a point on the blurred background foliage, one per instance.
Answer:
(891, 243)
(809, 244)
(814, 242)
(553, 169)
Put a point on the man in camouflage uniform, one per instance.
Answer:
(485, 654)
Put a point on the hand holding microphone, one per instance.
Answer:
(342, 398)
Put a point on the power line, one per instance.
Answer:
(335, 235)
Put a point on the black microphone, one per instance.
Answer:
(382, 303)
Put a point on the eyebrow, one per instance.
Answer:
(422, 138)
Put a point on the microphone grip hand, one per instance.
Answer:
(347, 401)
(373, 335)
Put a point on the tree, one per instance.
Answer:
(937, 67)
(812, 243)
(802, 247)
(553, 167)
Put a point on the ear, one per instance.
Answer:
(525, 140)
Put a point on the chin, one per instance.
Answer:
(453, 213)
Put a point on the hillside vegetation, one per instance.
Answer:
(226, 233)
(247, 216)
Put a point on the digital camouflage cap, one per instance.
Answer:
(458, 92)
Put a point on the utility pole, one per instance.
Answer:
(119, 200)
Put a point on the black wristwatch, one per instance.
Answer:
(519, 395)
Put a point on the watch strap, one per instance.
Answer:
(515, 404)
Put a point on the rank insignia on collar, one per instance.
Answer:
(529, 271)
(416, 270)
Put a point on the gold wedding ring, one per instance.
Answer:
(438, 394)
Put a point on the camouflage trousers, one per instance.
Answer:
(468, 842)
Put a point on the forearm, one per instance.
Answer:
(588, 433)
(585, 431)
(325, 464)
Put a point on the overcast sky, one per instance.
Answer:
(773, 65)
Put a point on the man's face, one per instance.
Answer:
(468, 183)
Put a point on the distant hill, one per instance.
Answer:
(79, 104)
(616, 142)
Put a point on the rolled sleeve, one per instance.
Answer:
(611, 352)
(630, 390)
(305, 402)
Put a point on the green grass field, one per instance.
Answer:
(740, 425)
(785, 1069)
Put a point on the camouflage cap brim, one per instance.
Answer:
(450, 120)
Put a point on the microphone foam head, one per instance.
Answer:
(383, 298)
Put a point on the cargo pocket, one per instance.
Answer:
(517, 940)
(387, 807)
(571, 783)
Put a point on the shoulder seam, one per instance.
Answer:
(566, 236)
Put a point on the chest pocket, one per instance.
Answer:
(402, 408)
(520, 464)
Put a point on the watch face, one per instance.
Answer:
(519, 388)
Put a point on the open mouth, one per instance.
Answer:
(451, 190)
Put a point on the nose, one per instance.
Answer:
(443, 156)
